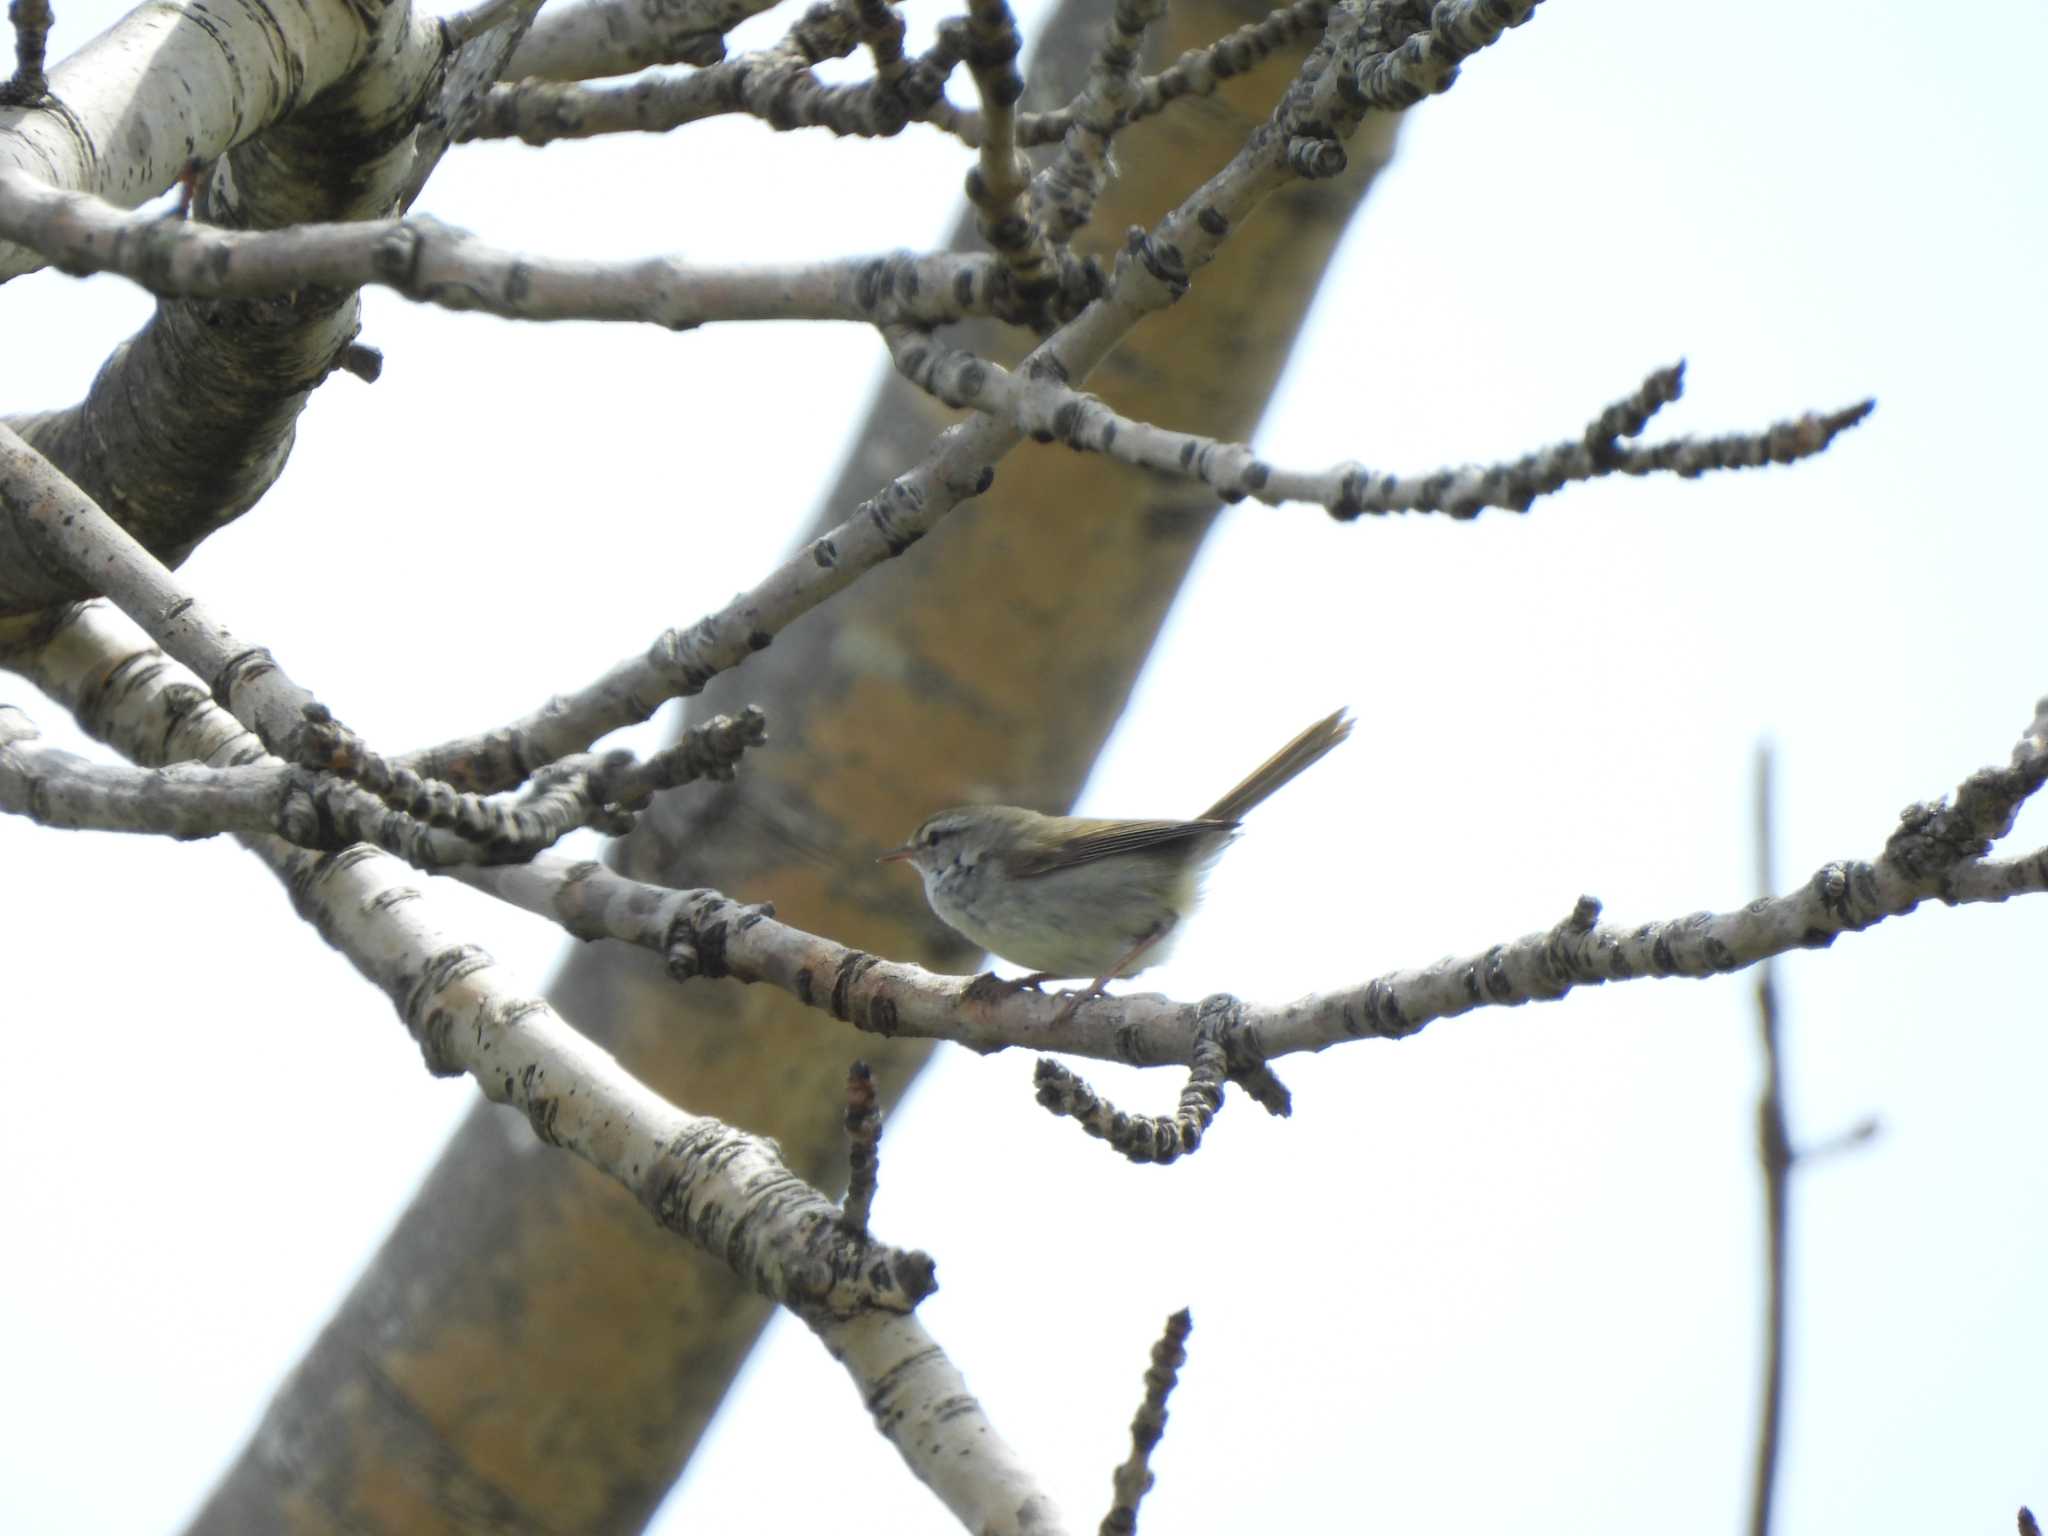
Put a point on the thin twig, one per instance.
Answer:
(1774, 1150)
(1133, 1480)
(29, 85)
(863, 1148)
(999, 185)
(1198, 72)
(1049, 410)
(1222, 1051)
(775, 85)
(1064, 194)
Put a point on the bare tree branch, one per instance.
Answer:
(191, 78)
(1939, 851)
(1047, 410)
(1064, 194)
(1149, 1138)
(423, 823)
(999, 186)
(721, 1189)
(863, 1145)
(775, 85)
(433, 263)
(28, 85)
(1134, 1477)
(1196, 73)
(587, 38)
(1774, 1151)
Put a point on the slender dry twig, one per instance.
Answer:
(775, 85)
(1220, 1051)
(881, 30)
(863, 1147)
(1198, 72)
(1774, 1151)
(1048, 410)
(424, 823)
(999, 185)
(29, 86)
(1133, 1480)
(1064, 194)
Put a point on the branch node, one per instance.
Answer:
(364, 362)
(1315, 159)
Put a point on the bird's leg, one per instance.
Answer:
(1126, 964)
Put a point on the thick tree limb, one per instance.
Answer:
(1940, 851)
(190, 422)
(167, 85)
(727, 1192)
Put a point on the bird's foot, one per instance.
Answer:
(1070, 1001)
(988, 987)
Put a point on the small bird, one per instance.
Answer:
(1072, 896)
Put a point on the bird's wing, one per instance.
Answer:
(1087, 841)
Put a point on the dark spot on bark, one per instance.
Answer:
(711, 950)
(850, 970)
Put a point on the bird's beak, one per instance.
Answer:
(897, 855)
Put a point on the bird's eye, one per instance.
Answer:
(933, 834)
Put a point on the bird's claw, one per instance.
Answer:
(988, 987)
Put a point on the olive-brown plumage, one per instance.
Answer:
(1080, 895)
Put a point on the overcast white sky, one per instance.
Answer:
(1503, 1275)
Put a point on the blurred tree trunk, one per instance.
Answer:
(529, 1352)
